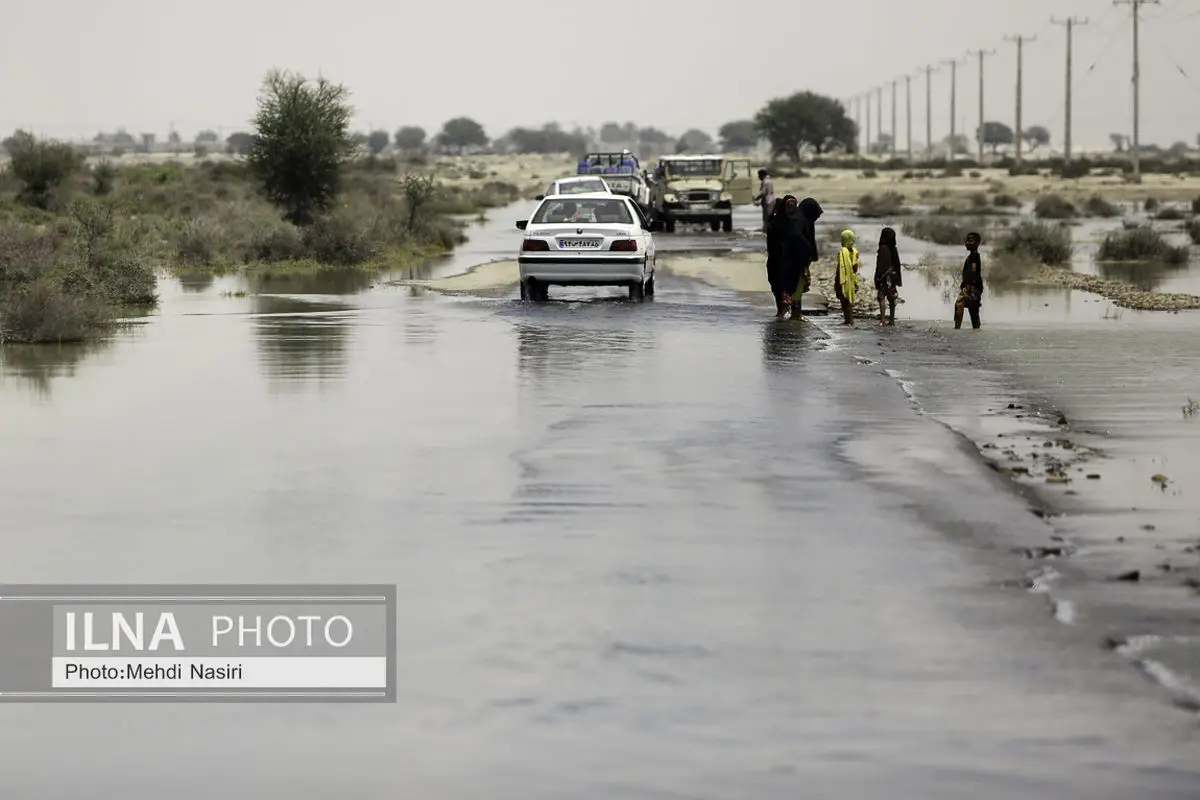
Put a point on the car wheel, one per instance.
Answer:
(525, 293)
(542, 292)
(637, 291)
(650, 286)
(727, 224)
(715, 225)
(669, 224)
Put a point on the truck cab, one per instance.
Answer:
(699, 190)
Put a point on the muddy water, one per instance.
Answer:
(667, 549)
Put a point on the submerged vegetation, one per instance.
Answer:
(1037, 242)
(1142, 243)
(79, 245)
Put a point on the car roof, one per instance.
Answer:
(579, 178)
(585, 196)
(692, 158)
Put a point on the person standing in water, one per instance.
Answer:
(766, 196)
(971, 289)
(777, 231)
(845, 280)
(887, 275)
(800, 251)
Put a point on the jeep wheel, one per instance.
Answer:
(669, 225)
(727, 224)
(715, 225)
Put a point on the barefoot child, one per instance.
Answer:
(845, 281)
(887, 275)
(971, 288)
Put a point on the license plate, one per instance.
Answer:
(577, 244)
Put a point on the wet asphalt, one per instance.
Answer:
(661, 550)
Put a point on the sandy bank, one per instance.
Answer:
(1122, 294)
(493, 277)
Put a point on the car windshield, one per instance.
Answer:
(578, 187)
(685, 169)
(597, 210)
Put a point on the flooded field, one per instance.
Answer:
(671, 549)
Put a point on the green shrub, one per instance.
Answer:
(1170, 214)
(1006, 201)
(1053, 206)
(1041, 242)
(1194, 231)
(301, 144)
(104, 177)
(1142, 243)
(1097, 206)
(938, 230)
(41, 167)
(888, 204)
(1151, 204)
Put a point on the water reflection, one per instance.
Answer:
(325, 281)
(196, 282)
(301, 342)
(551, 348)
(37, 365)
(1145, 276)
(783, 342)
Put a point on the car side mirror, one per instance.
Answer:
(522, 224)
(540, 197)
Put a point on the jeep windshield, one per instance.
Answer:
(707, 168)
(613, 212)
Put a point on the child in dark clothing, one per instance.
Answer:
(971, 289)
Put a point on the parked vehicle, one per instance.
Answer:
(699, 190)
(586, 240)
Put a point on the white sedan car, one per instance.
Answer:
(577, 184)
(586, 240)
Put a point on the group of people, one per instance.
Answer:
(790, 226)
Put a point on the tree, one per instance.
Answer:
(739, 135)
(550, 138)
(1036, 136)
(612, 133)
(461, 133)
(40, 167)
(377, 141)
(148, 142)
(803, 121)
(1178, 150)
(410, 137)
(207, 137)
(882, 144)
(994, 134)
(694, 141)
(1118, 140)
(302, 139)
(958, 144)
(238, 144)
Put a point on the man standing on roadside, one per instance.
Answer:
(765, 196)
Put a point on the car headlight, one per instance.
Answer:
(670, 198)
(726, 196)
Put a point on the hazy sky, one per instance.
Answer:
(72, 68)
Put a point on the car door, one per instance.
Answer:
(738, 179)
(645, 237)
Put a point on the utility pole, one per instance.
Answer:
(867, 98)
(858, 119)
(1135, 146)
(908, 112)
(879, 115)
(953, 103)
(929, 113)
(1020, 40)
(982, 54)
(894, 84)
(1069, 23)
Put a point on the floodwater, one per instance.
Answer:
(658, 550)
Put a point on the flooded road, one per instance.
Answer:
(656, 550)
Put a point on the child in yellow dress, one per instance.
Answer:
(845, 281)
